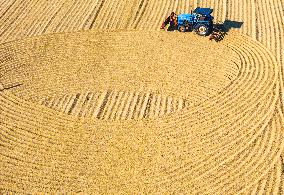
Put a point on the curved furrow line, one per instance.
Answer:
(112, 15)
(23, 137)
(265, 20)
(257, 171)
(146, 13)
(270, 15)
(223, 104)
(159, 18)
(72, 16)
(4, 33)
(37, 160)
(28, 127)
(241, 146)
(270, 184)
(46, 20)
(92, 17)
(5, 7)
(23, 20)
(201, 165)
(88, 17)
(81, 16)
(238, 84)
(127, 16)
(188, 6)
(139, 14)
(73, 19)
(261, 156)
(274, 188)
(234, 141)
(152, 15)
(189, 171)
(61, 17)
(29, 22)
(12, 14)
(277, 44)
(64, 18)
(105, 13)
(221, 115)
(8, 112)
(50, 184)
(120, 15)
(279, 126)
(53, 19)
(136, 7)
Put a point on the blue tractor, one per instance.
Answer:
(200, 21)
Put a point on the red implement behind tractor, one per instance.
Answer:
(171, 20)
(218, 33)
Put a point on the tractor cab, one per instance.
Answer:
(204, 14)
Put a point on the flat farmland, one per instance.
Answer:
(96, 99)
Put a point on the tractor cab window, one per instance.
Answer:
(200, 17)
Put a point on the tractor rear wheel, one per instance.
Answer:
(202, 29)
(181, 28)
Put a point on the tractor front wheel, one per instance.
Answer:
(201, 29)
(181, 29)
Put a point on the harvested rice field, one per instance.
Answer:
(96, 99)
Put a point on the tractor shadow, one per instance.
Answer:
(172, 28)
(222, 29)
(229, 24)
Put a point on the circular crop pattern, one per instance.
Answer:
(140, 74)
(218, 139)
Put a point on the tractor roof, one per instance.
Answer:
(203, 11)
